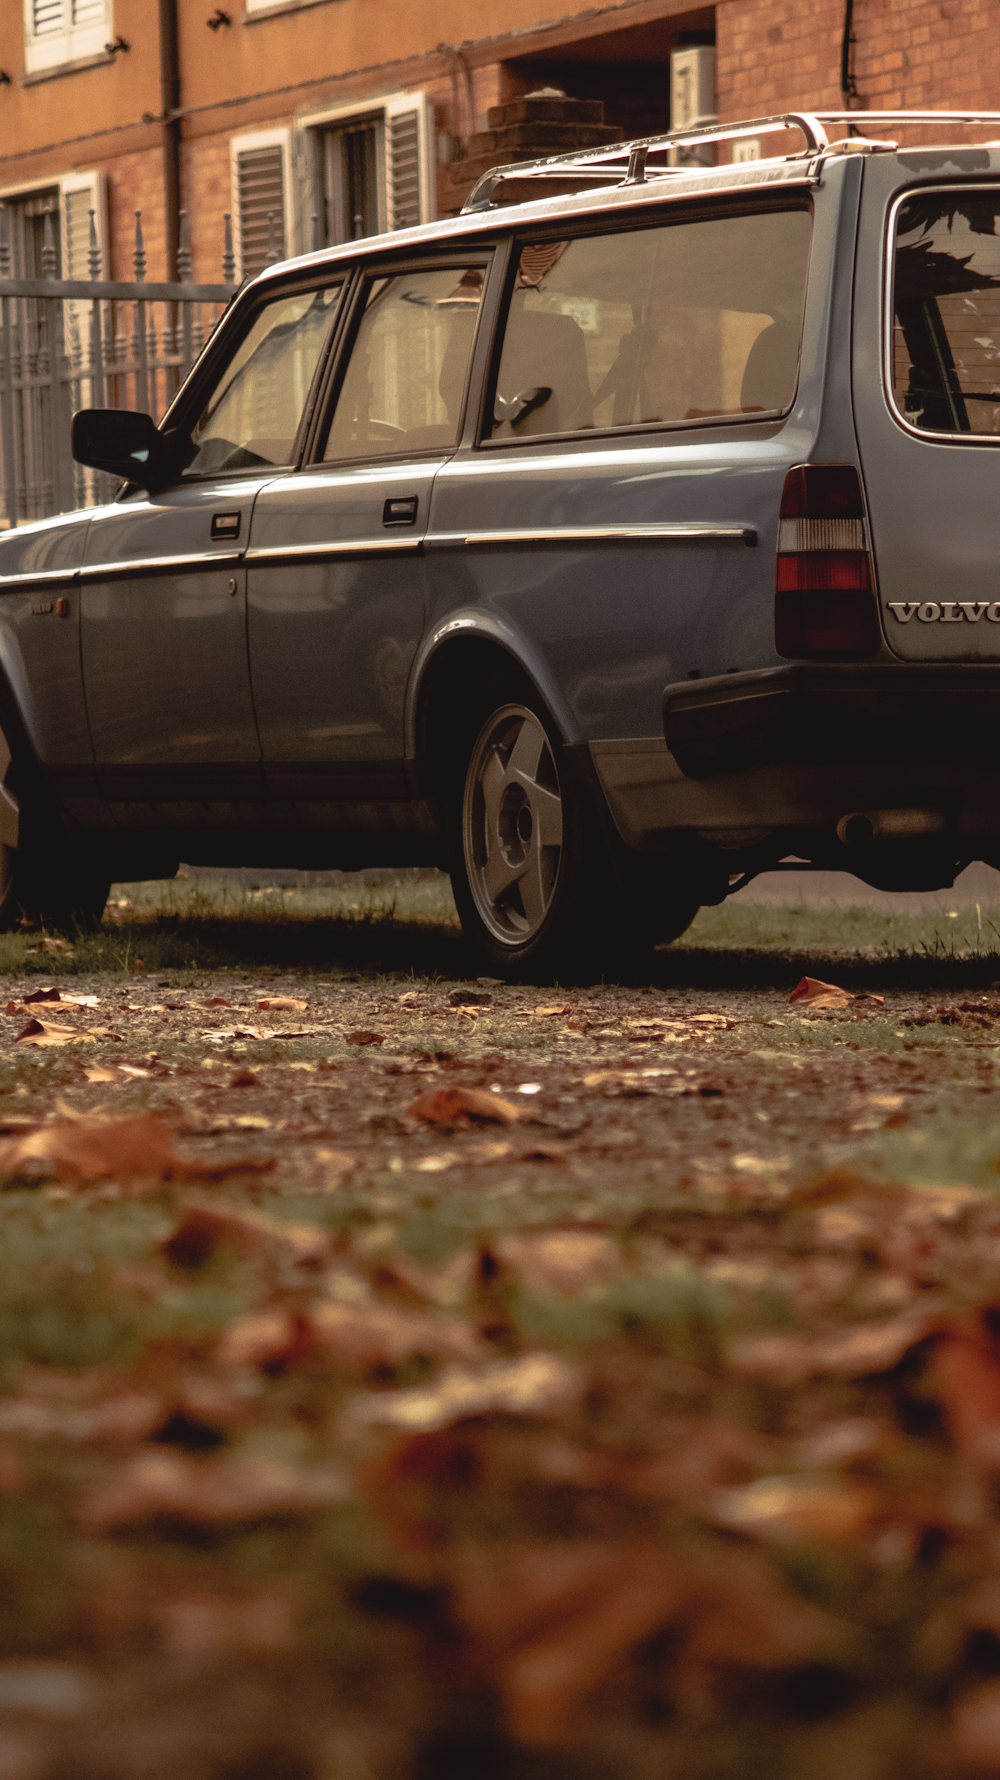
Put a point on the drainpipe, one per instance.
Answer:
(170, 98)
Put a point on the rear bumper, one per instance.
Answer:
(938, 715)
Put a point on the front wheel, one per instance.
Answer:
(532, 878)
(43, 876)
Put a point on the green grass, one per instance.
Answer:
(408, 926)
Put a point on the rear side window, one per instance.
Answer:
(946, 311)
(685, 324)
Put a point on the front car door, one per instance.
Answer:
(163, 589)
(336, 574)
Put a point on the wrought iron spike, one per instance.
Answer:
(184, 251)
(228, 256)
(139, 256)
(93, 248)
(50, 257)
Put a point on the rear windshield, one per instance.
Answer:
(946, 311)
(694, 322)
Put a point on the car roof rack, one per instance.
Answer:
(658, 157)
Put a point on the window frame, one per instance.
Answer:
(71, 44)
(187, 404)
(696, 211)
(379, 109)
(927, 434)
(368, 271)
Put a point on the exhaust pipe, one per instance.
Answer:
(863, 827)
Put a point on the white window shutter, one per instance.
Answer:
(260, 165)
(409, 165)
(79, 194)
(60, 31)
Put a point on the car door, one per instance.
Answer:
(336, 575)
(630, 459)
(163, 586)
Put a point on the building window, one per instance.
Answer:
(372, 167)
(60, 31)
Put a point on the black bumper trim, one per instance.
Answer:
(913, 712)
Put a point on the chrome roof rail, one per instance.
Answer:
(604, 162)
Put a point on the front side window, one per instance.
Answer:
(405, 379)
(252, 411)
(946, 312)
(60, 31)
(693, 322)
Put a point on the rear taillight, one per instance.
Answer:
(824, 601)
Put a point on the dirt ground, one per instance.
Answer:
(414, 1378)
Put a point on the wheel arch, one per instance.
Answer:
(456, 657)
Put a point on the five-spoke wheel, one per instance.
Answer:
(512, 825)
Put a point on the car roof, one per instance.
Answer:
(642, 185)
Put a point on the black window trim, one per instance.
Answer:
(929, 189)
(599, 225)
(234, 325)
(372, 267)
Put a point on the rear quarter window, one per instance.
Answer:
(692, 322)
(945, 337)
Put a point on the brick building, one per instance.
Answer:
(317, 120)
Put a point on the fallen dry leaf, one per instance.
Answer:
(460, 1106)
(366, 1335)
(567, 1262)
(204, 1228)
(365, 1038)
(206, 1491)
(271, 1341)
(45, 1032)
(966, 1375)
(544, 1012)
(849, 1353)
(797, 1508)
(284, 1001)
(44, 995)
(535, 1384)
(816, 994)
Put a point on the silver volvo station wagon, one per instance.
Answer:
(623, 537)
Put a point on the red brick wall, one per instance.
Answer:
(776, 55)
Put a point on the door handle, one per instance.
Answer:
(226, 526)
(400, 510)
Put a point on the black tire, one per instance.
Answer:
(532, 877)
(46, 878)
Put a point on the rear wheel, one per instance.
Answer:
(532, 877)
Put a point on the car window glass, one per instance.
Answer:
(252, 412)
(946, 320)
(405, 378)
(692, 322)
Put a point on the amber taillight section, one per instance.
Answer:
(824, 602)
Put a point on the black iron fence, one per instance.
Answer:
(89, 343)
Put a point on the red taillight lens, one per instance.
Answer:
(810, 571)
(822, 491)
(824, 593)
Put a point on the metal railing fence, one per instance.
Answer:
(89, 343)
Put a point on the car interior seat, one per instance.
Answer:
(771, 370)
(543, 350)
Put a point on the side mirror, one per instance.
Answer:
(120, 442)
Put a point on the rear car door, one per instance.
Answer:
(927, 399)
(337, 589)
(631, 456)
(163, 589)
